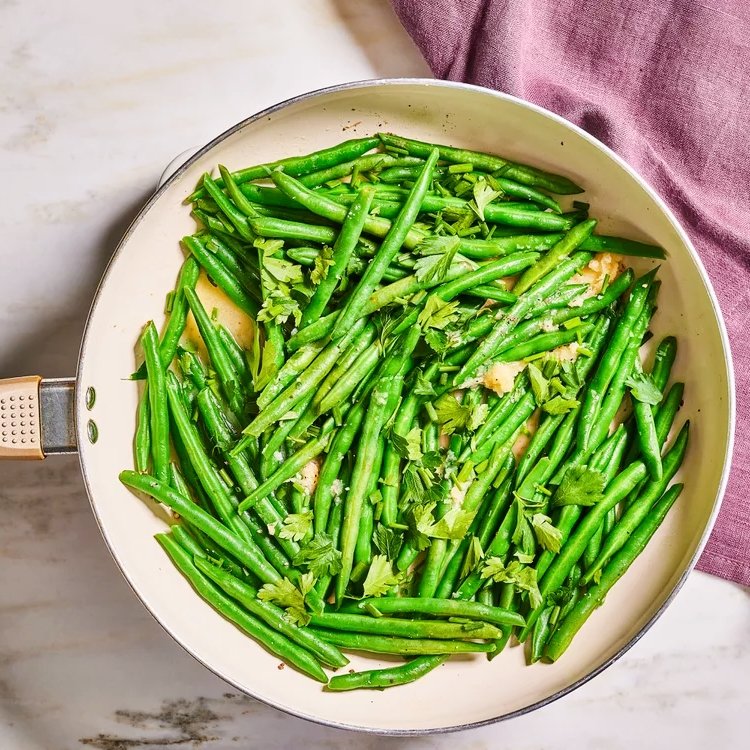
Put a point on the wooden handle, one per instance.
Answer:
(20, 423)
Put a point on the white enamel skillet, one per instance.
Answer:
(38, 419)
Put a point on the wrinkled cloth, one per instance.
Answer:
(664, 84)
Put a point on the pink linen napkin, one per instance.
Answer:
(667, 86)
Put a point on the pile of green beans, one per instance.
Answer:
(438, 437)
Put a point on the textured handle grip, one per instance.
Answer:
(20, 423)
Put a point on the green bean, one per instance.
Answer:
(363, 546)
(157, 402)
(175, 327)
(393, 626)
(548, 426)
(524, 304)
(227, 207)
(610, 465)
(294, 393)
(197, 543)
(245, 552)
(519, 172)
(209, 478)
(142, 440)
(508, 600)
(325, 490)
(539, 635)
(664, 358)
(498, 414)
(507, 266)
(544, 342)
(343, 249)
(667, 411)
(498, 547)
(301, 165)
(442, 608)
(611, 574)
(362, 368)
(562, 250)
(372, 426)
(617, 387)
(274, 616)
(268, 513)
(573, 548)
(235, 353)
(290, 467)
(227, 281)
(603, 244)
(378, 679)
(640, 507)
(647, 438)
(269, 226)
(225, 370)
(292, 368)
(234, 192)
(363, 163)
(332, 210)
(383, 644)
(267, 637)
(523, 331)
(390, 246)
(521, 412)
(611, 359)
(390, 471)
(498, 506)
(489, 292)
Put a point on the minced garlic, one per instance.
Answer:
(600, 267)
(501, 376)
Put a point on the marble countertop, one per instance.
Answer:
(96, 99)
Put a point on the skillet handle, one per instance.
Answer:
(36, 417)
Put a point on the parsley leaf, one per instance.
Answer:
(422, 386)
(387, 541)
(408, 446)
(420, 485)
(320, 556)
(483, 194)
(380, 577)
(437, 313)
(530, 484)
(523, 536)
(477, 417)
(285, 594)
(521, 576)
(473, 557)
(323, 261)
(268, 367)
(278, 306)
(560, 405)
(643, 388)
(296, 525)
(453, 525)
(282, 271)
(438, 246)
(434, 268)
(548, 536)
(539, 384)
(420, 520)
(451, 415)
(580, 486)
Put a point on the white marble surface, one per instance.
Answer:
(95, 99)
